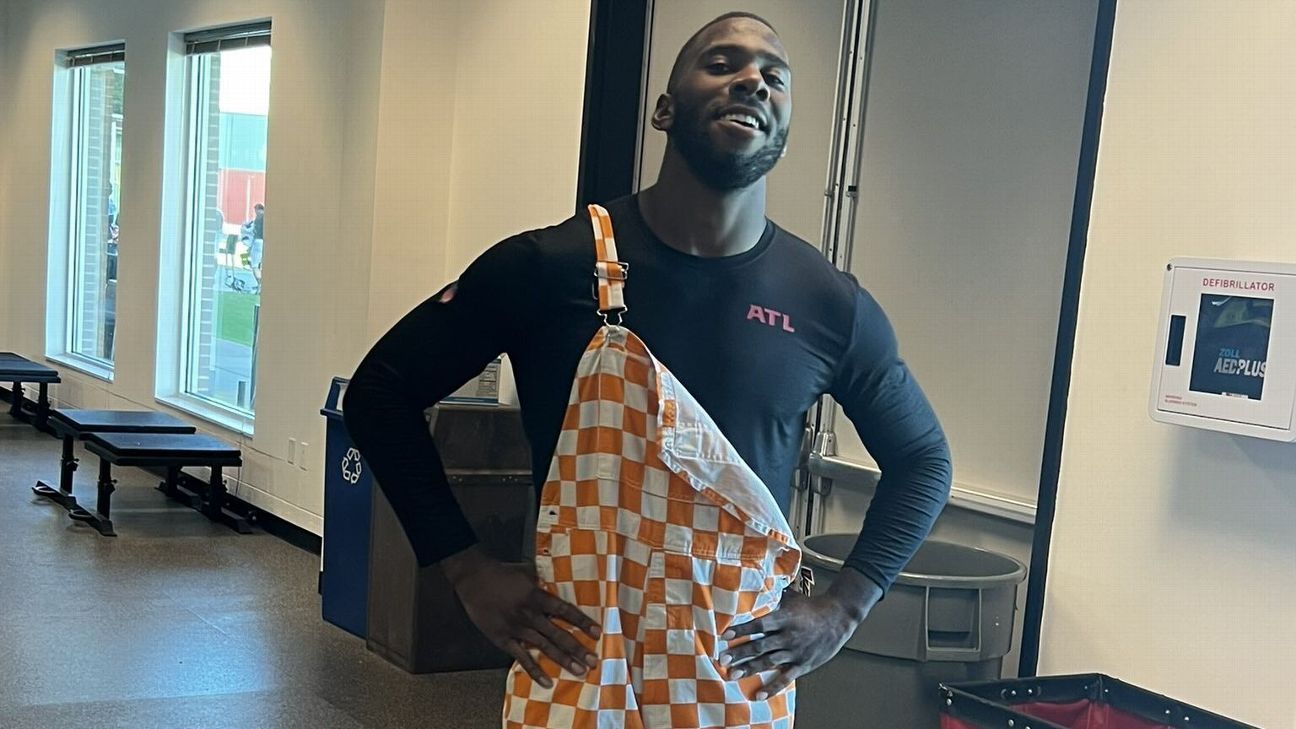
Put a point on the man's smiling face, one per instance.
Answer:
(730, 103)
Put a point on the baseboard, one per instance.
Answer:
(266, 520)
(268, 502)
(285, 530)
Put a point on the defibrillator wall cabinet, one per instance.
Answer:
(1226, 352)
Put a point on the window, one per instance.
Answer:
(91, 200)
(227, 107)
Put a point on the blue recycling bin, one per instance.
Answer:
(348, 506)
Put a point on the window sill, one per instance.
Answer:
(215, 415)
(83, 365)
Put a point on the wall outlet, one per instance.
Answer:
(292, 450)
(302, 453)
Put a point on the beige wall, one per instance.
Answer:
(5, 296)
(366, 96)
(480, 136)
(521, 91)
(416, 115)
(345, 332)
(1174, 554)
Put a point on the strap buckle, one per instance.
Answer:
(611, 274)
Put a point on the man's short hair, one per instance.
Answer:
(677, 70)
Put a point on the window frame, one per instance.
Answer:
(69, 141)
(178, 331)
(197, 68)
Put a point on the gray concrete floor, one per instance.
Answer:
(179, 622)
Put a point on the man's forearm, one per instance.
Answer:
(909, 498)
(463, 563)
(855, 593)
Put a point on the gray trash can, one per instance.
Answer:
(948, 618)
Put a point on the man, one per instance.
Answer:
(753, 321)
(112, 214)
(252, 234)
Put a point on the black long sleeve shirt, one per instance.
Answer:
(757, 338)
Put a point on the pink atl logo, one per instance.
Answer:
(769, 317)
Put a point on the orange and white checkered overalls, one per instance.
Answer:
(651, 524)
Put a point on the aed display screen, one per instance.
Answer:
(1232, 346)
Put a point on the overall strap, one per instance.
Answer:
(609, 272)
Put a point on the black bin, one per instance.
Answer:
(1087, 701)
(415, 619)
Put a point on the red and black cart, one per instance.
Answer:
(1090, 701)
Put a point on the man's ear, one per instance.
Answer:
(664, 115)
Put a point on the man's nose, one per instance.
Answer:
(751, 82)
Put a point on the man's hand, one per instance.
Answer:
(507, 605)
(803, 634)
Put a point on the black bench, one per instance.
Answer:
(17, 370)
(172, 451)
(74, 425)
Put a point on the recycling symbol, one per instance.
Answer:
(351, 466)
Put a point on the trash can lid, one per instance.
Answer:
(333, 402)
(936, 564)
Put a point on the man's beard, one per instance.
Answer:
(717, 169)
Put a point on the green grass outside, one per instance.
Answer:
(234, 314)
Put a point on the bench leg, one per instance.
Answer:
(215, 493)
(213, 506)
(171, 486)
(67, 466)
(42, 409)
(99, 519)
(16, 400)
